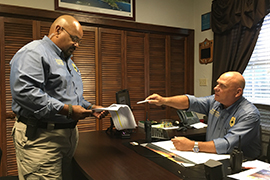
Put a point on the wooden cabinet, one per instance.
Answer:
(114, 55)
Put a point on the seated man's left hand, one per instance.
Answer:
(183, 144)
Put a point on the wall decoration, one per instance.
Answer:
(124, 9)
(206, 21)
(206, 51)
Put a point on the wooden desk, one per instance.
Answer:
(102, 157)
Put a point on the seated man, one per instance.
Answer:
(230, 115)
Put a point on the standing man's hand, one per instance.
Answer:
(78, 112)
(101, 114)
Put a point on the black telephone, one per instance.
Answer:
(187, 117)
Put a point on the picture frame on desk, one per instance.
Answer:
(124, 9)
(206, 21)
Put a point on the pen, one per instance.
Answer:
(144, 101)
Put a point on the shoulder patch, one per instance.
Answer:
(59, 61)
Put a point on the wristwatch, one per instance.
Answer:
(196, 147)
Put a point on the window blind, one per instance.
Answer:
(257, 73)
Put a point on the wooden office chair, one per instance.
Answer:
(7, 177)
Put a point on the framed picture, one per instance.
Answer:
(124, 9)
(206, 21)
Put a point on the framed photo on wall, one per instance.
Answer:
(124, 9)
(206, 21)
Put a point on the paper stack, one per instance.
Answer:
(122, 116)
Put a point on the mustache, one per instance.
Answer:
(73, 48)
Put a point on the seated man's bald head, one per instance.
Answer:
(236, 78)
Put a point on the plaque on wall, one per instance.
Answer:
(206, 51)
(206, 21)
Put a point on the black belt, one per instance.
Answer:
(45, 125)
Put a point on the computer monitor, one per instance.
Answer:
(122, 97)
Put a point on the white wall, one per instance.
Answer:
(175, 13)
(201, 70)
(38, 4)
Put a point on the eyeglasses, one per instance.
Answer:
(73, 38)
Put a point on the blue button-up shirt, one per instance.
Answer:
(42, 81)
(226, 125)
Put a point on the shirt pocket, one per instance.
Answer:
(225, 129)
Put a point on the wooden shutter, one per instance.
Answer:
(84, 58)
(17, 33)
(110, 62)
(135, 78)
(44, 29)
(177, 69)
(157, 73)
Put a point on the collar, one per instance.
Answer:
(55, 48)
(235, 104)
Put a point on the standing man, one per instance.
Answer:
(47, 94)
(230, 115)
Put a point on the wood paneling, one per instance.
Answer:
(177, 69)
(111, 56)
(17, 34)
(135, 72)
(84, 58)
(157, 73)
(44, 28)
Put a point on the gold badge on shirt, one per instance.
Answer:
(74, 66)
(232, 121)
